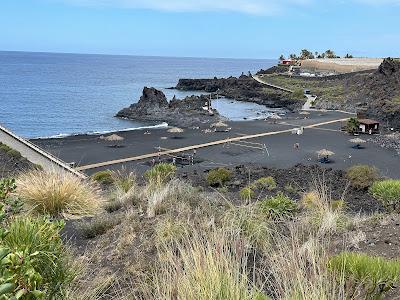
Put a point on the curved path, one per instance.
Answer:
(35, 154)
(273, 86)
(198, 146)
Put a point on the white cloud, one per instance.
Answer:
(257, 7)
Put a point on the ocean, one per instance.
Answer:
(49, 94)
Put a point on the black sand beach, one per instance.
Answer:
(89, 149)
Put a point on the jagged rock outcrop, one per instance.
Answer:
(153, 106)
(379, 93)
(244, 88)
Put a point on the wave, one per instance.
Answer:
(64, 135)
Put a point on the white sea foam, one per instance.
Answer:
(64, 135)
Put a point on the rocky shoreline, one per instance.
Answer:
(243, 88)
(154, 106)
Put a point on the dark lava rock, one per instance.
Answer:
(244, 88)
(153, 106)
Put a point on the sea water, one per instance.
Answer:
(49, 94)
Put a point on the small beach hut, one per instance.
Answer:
(357, 143)
(323, 155)
(114, 138)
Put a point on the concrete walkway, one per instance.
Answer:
(35, 154)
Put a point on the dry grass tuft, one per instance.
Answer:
(298, 267)
(203, 267)
(58, 194)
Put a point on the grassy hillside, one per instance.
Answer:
(216, 236)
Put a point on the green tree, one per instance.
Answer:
(330, 54)
(348, 56)
(281, 57)
(306, 54)
(352, 125)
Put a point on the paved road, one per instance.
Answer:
(35, 154)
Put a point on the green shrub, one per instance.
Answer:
(338, 205)
(388, 192)
(362, 176)
(268, 183)
(98, 225)
(374, 275)
(353, 125)
(278, 207)
(218, 177)
(4, 147)
(8, 205)
(124, 180)
(290, 188)
(14, 153)
(246, 193)
(104, 177)
(34, 263)
(11, 152)
(297, 94)
(160, 173)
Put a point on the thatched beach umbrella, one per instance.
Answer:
(324, 154)
(114, 138)
(219, 124)
(175, 130)
(357, 142)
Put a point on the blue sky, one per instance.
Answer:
(201, 28)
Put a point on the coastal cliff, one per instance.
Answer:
(376, 94)
(154, 106)
(244, 88)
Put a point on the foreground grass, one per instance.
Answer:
(58, 194)
(169, 240)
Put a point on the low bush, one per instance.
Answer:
(103, 177)
(297, 94)
(388, 192)
(9, 205)
(374, 276)
(218, 177)
(98, 225)
(58, 194)
(268, 183)
(353, 125)
(34, 263)
(11, 152)
(246, 193)
(289, 188)
(124, 180)
(278, 207)
(160, 173)
(362, 176)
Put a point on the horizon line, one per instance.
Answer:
(137, 55)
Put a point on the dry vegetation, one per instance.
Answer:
(330, 90)
(166, 239)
